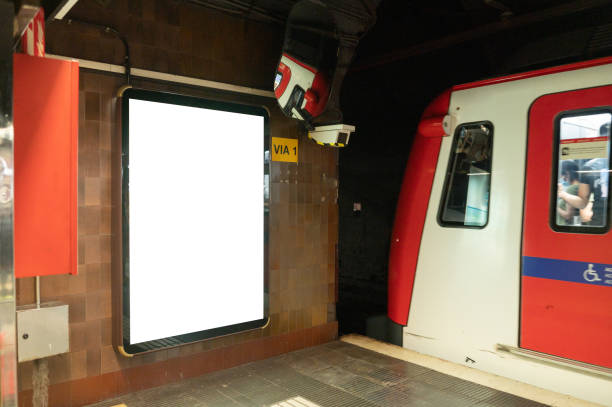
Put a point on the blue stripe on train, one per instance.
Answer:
(565, 270)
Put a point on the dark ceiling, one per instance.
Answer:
(513, 34)
(505, 35)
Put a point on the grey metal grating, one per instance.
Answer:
(448, 399)
(386, 377)
(333, 357)
(358, 367)
(335, 398)
(473, 390)
(336, 345)
(296, 402)
(336, 374)
(393, 398)
(361, 386)
(441, 381)
(333, 375)
(408, 370)
(508, 400)
(309, 364)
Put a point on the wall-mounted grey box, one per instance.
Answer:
(42, 332)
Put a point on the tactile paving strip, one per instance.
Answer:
(336, 374)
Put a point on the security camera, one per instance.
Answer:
(317, 51)
(334, 135)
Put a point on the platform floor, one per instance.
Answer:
(337, 374)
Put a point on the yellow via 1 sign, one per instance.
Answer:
(284, 149)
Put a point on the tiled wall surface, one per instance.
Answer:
(174, 37)
(303, 227)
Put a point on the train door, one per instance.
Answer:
(566, 281)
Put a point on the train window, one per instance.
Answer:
(580, 190)
(465, 202)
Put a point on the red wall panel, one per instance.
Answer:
(46, 100)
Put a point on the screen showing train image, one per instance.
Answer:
(194, 212)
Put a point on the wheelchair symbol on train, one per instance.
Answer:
(591, 275)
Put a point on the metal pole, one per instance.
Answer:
(38, 292)
(8, 360)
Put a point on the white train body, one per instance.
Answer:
(465, 294)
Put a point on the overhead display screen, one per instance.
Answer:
(193, 219)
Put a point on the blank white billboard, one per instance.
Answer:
(196, 219)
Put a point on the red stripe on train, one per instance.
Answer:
(411, 211)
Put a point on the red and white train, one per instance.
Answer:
(501, 253)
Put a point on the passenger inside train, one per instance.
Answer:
(583, 170)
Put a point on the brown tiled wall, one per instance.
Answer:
(303, 216)
(174, 37)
